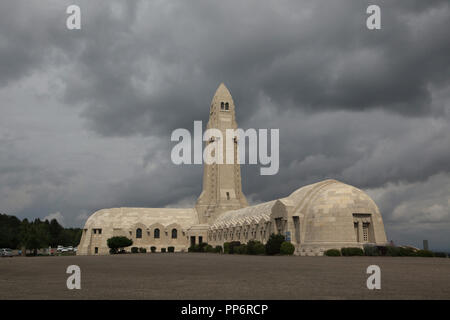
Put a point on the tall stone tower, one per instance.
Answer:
(222, 188)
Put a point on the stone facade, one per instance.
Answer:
(324, 215)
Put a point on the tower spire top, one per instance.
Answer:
(222, 92)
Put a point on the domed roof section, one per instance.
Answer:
(321, 197)
(329, 209)
(128, 217)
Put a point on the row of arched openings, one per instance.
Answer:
(156, 233)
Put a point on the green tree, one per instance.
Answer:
(116, 243)
(273, 245)
(9, 231)
(55, 230)
(34, 235)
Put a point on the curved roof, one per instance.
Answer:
(328, 196)
(245, 215)
(129, 217)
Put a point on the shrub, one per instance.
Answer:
(163, 249)
(218, 249)
(440, 254)
(171, 249)
(382, 250)
(255, 247)
(352, 251)
(233, 246)
(226, 247)
(332, 253)
(134, 250)
(116, 243)
(406, 252)
(392, 251)
(198, 247)
(153, 249)
(208, 248)
(142, 250)
(287, 248)
(424, 253)
(370, 250)
(241, 249)
(202, 246)
(273, 245)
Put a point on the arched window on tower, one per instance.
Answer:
(156, 234)
(174, 233)
(138, 233)
(227, 107)
(222, 106)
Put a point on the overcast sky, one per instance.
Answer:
(86, 116)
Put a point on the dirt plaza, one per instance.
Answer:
(219, 276)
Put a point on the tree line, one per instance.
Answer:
(33, 235)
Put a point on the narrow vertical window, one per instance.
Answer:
(156, 234)
(366, 232)
(139, 233)
(174, 233)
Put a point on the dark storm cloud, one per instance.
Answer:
(132, 64)
(96, 107)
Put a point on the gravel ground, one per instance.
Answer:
(213, 276)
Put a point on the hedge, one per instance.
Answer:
(424, 253)
(153, 249)
(370, 250)
(255, 247)
(352, 251)
(134, 250)
(332, 253)
(440, 254)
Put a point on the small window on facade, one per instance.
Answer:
(138, 233)
(96, 250)
(227, 107)
(221, 105)
(174, 233)
(365, 232)
(99, 231)
(156, 234)
(228, 196)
